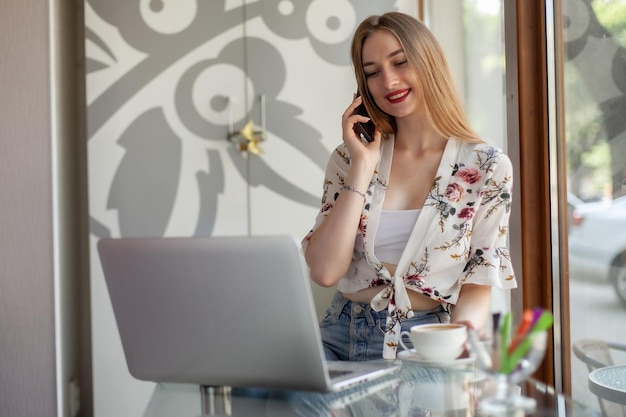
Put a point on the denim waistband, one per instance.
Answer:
(341, 304)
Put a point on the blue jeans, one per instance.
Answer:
(354, 332)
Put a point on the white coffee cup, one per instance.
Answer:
(436, 341)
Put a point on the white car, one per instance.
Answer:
(597, 242)
(572, 203)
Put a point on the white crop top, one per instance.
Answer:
(393, 233)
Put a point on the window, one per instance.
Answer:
(594, 109)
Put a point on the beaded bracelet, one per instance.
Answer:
(355, 190)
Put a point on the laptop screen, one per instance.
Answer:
(234, 311)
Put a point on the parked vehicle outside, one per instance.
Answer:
(572, 203)
(597, 243)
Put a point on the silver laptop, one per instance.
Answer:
(222, 311)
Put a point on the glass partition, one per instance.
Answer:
(594, 111)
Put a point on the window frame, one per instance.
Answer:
(536, 146)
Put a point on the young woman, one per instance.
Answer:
(413, 225)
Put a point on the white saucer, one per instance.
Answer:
(410, 355)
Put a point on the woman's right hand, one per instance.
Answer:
(362, 153)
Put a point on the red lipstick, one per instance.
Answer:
(398, 95)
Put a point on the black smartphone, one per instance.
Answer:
(364, 130)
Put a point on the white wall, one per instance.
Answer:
(40, 206)
(159, 161)
(27, 331)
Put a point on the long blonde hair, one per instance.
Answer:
(432, 73)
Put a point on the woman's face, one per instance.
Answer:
(389, 77)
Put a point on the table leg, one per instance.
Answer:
(216, 401)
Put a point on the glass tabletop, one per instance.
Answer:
(416, 391)
(609, 383)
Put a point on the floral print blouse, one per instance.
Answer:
(460, 235)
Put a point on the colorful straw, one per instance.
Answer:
(513, 349)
